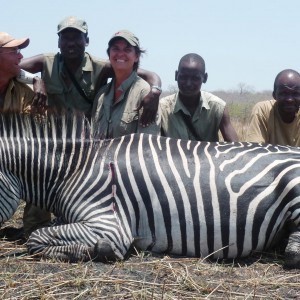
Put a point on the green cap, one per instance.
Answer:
(128, 36)
(72, 22)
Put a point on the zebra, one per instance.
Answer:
(189, 198)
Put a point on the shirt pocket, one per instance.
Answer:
(56, 98)
(129, 123)
(54, 89)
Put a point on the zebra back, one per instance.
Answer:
(52, 126)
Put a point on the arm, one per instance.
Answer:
(150, 102)
(228, 132)
(34, 65)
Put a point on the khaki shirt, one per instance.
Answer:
(63, 97)
(111, 120)
(266, 126)
(18, 97)
(206, 119)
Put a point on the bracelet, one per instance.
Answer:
(156, 87)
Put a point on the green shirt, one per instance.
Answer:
(205, 120)
(266, 126)
(63, 97)
(114, 119)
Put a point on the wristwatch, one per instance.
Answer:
(156, 87)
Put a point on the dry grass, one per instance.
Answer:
(241, 129)
(144, 276)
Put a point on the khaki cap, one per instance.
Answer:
(72, 22)
(128, 36)
(8, 41)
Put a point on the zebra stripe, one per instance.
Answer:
(160, 194)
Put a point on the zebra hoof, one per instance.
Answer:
(105, 251)
(292, 251)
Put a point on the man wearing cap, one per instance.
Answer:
(114, 112)
(72, 77)
(16, 96)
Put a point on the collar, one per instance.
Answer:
(86, 64)
(124, 87)
(128, 82)
(203, 103)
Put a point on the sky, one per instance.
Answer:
(242, 42)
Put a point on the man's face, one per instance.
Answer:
(72, 43)
(287, 93)
(10, 58)
(190, 76)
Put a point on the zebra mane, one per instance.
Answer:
(65, 126)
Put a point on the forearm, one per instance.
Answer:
(152, 78)
(228, 132)
(230, 135)
(40, 99)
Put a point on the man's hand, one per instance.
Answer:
(39, 103)
(150, 107)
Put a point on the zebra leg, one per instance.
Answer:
(72, 242)
(9, 197)
(292, 250)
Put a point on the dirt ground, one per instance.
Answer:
(144, 276)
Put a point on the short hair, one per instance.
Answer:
(282, 73)
(192, 57)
